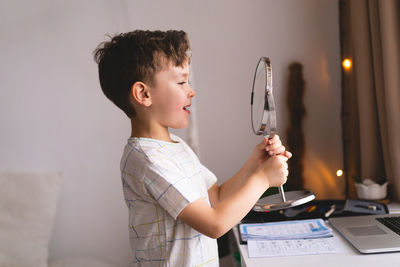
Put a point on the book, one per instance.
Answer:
(285, 230)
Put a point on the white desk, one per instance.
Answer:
(350, 258)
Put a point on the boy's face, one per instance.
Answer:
(171, 97)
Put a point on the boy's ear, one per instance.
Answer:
(140, 93)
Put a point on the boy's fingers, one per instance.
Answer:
(276, 150)
(288, 154)
(282, 158)
(274, 139)
(280, 150)
(276, 147)
(269, 141)
(266, 140)
(261, 146)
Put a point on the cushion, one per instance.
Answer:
(81, 262)
(28, 204)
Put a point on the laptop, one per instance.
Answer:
(370, 233)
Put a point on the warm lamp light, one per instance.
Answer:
(346, 63)
(339, 173)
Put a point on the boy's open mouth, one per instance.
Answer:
(187, 108)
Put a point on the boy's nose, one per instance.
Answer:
(191, 92)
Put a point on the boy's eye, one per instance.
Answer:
(182, 83)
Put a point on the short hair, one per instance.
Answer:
(137, 56)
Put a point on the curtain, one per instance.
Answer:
(370, 37)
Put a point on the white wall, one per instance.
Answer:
(53, 115)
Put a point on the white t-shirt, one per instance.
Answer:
(159, 179)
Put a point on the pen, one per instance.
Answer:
(330, 211)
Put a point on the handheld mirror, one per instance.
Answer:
(263, 120)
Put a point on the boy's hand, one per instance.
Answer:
(275, 170)
(272, 146)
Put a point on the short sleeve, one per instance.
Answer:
(170, 187)
(209, 177)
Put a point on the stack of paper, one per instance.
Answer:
(286, 230)
(303, 237)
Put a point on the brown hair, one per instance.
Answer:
(137, 56)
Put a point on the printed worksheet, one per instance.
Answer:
(275, 248)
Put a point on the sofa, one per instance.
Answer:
(28, 206)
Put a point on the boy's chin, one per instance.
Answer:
(180, 126)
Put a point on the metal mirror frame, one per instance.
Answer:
(268, 129)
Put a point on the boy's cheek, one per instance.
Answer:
(177, 105)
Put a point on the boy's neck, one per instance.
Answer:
(140, 129)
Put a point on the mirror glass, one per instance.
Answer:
(258, 97)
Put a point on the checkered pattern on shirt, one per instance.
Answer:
(159, 180)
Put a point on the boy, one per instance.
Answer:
(176, 208)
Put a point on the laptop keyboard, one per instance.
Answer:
(393, 223)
